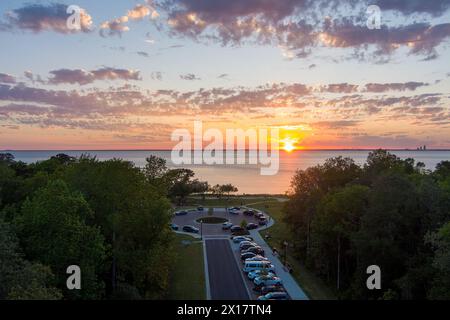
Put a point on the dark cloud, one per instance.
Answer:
(298, 26)
(383, 87)
(82, 108)
(339, 88)
(156, 75)
(189, 76)
(6, 78)
(83, 77)
(335, 124)
(143, 54)
(433, 7)
(41, 17)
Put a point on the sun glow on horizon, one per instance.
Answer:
(288, 144)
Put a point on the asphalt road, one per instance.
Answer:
(225, 277)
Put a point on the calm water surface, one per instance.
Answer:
(246, 177)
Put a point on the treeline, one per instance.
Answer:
(390, 212)
(108, 217)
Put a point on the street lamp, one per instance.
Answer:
(201, 229)
(286, 244)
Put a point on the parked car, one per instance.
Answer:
(226, 225)
(266, 289)
(235, 208)
(248, 212)
(200, 208)
(190, 229)
(259, 215)
(181, 213)
(247, 255)
(236, 228)
(257, 258)
(262, 222)
(256, 273)
(255, 250)
(243, 243)
(173, 226)
(246, 245)
(251, 226)
(239, 239)
(250, 266)
(266, 280)
(274, 296)
(232, 211)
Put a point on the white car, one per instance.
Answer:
(239, 239)
(267, 281)
(257, 258)
(257, 273)
(227, 225)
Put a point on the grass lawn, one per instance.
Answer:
(188, 278)
(314, 287)
(225, 202)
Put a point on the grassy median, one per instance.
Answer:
(188, 277)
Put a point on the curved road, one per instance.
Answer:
(225, 277)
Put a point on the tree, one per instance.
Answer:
(180, 184)
(67, 239)
(307, 189)
(228, 188)
(20, 279)
(244, 223)
(200, 187)
(6, 158)
(132, 209)
(440, 241)
(333, 227)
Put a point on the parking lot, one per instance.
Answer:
(212, 229)
(225, 279)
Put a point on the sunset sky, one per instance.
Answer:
(137, 70)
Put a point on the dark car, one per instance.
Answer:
(173, 226)
(181, 213)
(200, 208)
(236, 229)
(255, 250)
(190, 229)
(259, 215)
(247, 255)
(246, 246)
(262, 222)
(248, 212)
(251, 226)
(267, 289)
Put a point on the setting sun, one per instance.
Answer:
(288, 144)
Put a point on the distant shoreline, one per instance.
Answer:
(130, 150)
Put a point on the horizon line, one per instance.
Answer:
(304, 149)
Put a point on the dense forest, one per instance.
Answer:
(389, 212)
(108, 217)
